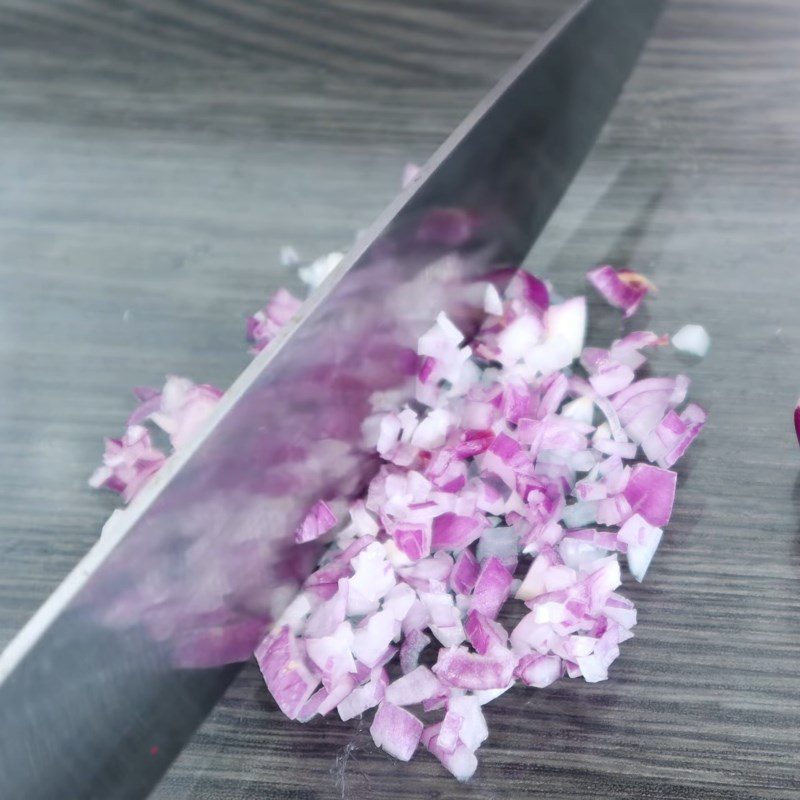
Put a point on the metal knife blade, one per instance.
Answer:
(143, 636)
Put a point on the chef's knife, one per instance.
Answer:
(109, 679)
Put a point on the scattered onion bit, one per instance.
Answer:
(692, 339)
(314, 273)
(128, 463)
(411, 172)
(180, 409)
(636, 280)
(623, 289)
(263, 326)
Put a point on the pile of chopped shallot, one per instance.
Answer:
(504, 482)
(508, 487)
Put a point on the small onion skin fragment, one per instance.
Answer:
(797, 421)
(623, 289)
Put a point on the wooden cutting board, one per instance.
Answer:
(153, 158)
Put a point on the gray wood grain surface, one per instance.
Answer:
(155, 154)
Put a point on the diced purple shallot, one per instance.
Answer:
(396, 730)
(623, 288)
